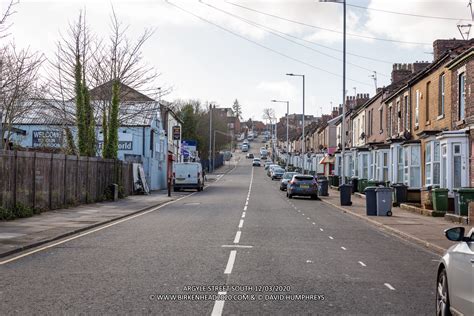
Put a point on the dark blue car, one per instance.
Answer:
(302, 185)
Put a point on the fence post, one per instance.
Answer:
(98, 194)
(34, 180)
(51, 182)
(15, 178)
(87, 181)
(77, 177)
(64, 180)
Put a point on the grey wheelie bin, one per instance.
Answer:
(384, 201)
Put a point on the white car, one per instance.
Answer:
(455, 280)
(256, 162)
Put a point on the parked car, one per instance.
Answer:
(302, 185)
(187, 175)
(256, 162)
(250, 156)
(277, 173)
(270, 168)
(455, 279)
(267, 164)
(287, 176)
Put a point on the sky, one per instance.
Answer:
(219, 51)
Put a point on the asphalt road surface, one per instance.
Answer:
(238, 247)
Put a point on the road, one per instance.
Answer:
(241, 235)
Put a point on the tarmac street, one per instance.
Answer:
(239, 247)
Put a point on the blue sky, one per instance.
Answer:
(201, 61)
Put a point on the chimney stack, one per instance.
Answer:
(442, 46)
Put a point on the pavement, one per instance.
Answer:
(425, 230)
(25, 233)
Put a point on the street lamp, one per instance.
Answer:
(287, 139)
(303, 138)
(343, 129)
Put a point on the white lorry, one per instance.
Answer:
(188, 175)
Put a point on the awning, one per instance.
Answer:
(328, 159)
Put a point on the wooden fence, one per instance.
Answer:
(51, 181)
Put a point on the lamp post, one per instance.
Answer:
(287, 139)
(303, 138)
(343, 129)
(210, 137)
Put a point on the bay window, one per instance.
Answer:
(363, 161)
(454, 159)
(382, 165)
(432, 163)
(396, 158)
(412, 165)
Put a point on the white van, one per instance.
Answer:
(188, 175)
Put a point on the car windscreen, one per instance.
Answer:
(288, 175)
(278, 170)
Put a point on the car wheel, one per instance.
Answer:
(442, 294)
(290, 196)
(314, 197)
(273, 178)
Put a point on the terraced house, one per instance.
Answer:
(416, 131)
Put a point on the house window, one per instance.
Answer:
(441, 95)
(373, 165)
(365, 166)
(412, 166)
(381, 120)
(389, 122)
(432, 163)
(417, 108)
(382, 165)
(398, 117)
(462, 95)
(400, 165)
(407, 113)
(427, 100)
(444, 178)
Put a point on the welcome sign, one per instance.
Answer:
(48, 138)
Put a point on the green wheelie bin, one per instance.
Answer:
(440, 199)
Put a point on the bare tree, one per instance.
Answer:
(19, 88)
(268, 114)
(4, 16)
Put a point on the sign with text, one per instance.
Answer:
(125, 141)
(48, 138)
(189, 148)
(176, 132)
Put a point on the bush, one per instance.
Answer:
(19, 211)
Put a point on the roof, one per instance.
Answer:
(55, 112)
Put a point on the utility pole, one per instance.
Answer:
(210, 136)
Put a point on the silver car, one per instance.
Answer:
(455, 281)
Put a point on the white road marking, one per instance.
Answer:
(243, 214)
(389, 286)
(314, 223)
(237, 237)
(218, 306)
(330, 237)
(241, 223)
(298, 210)
(236, 246)
(247, 198)
(245, 207)
(307, 218)
(362, 264)
(230, 262)
(343, 248)
(321, 229)
(247, 203)
(302, 214)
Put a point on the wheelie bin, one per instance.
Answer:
(440, 199)
(370, 201)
